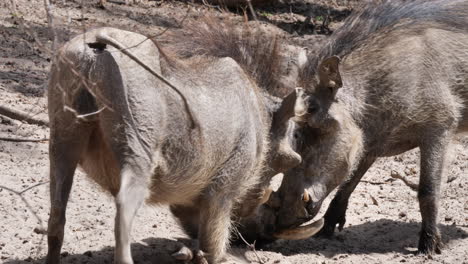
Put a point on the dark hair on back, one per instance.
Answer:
(382, 15)
(255, 51)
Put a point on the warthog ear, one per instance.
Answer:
(293, 105)
(329, 74)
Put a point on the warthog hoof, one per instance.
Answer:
(429, 243)
(329, 227)
(185, 254)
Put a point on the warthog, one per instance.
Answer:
(202, 135)
(401, 83)
(276, 69)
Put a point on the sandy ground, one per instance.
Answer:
(383, 217)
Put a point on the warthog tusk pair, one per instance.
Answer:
(301, 232)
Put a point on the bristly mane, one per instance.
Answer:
(255, 51)
(383, 15)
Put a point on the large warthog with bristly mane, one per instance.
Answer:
(202, 134)
(394, 77)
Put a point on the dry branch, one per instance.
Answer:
(250, 246)
(396, 175)
(23, 139)
(22, 116)
(28, 205)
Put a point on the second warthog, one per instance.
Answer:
(401, 83)
(202, 135)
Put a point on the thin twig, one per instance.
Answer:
(21, 116)
(28, 205)
(250, 246)
(13, 7)
(373, 183)
(396, 175)
(154, 36)
(205, 3)
(33, 186)
(254, 15)
(83, 116)
(105, 39)
(50, 21)
(23, 139)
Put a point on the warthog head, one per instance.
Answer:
(330, 143)
(326, 161)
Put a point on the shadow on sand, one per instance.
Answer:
(381, 236)
(153, 250)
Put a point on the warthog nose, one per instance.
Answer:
(312, 208)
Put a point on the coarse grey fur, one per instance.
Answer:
(132, 135)
(402, 83)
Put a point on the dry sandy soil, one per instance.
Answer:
(383, 217)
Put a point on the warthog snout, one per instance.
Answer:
(266, 226)
(295, 231)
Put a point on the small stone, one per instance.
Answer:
(402, 214)
(40, 231)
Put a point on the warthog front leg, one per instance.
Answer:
(433, 156)
(65, 149)
(336, 212)
(131, 195)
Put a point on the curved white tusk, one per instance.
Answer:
(301, 232)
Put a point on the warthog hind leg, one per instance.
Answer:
(129, 199)
(67, 143)
(336, 212)
(433, 157)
